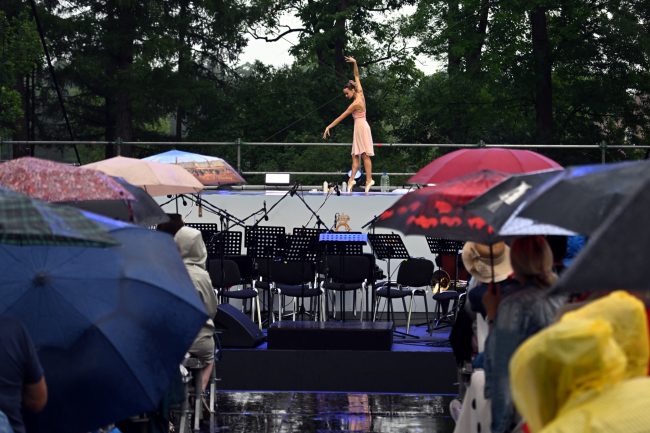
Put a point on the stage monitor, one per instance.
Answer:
(277, 179)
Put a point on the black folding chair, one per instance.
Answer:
(225, 275)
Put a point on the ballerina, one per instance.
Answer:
(362, 137)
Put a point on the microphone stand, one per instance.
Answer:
(319, 221)
(371, 223)
(223, 214)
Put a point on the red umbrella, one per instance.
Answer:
(465, 161)
(54, 182)
(438, 210)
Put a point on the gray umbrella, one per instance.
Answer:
(616, 256)
(143, 211)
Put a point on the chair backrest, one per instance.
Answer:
(226, 276)
(292, 273)
(415, 272)
(349, 269)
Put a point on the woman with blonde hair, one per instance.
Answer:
(525, 311)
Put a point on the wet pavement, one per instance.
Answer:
(303, 412)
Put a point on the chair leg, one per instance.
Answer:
(259, 313)
(426, 313)
(374, 316)
(408, 320)
(361, 310)
(354, 303)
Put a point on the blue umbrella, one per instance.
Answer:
(111, 325)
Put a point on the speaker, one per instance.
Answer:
(331, 336)
(238, 330)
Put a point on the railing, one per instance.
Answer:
(602, 148)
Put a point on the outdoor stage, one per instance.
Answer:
(424, 365)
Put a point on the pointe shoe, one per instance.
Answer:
(369, 184)
(351, 184)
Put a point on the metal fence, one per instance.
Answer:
(602, 148)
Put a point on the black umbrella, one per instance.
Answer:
(582, 197)
(616, 255)
(143, 211)
(499, 202)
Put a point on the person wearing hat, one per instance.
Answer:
(529, 307)
(485, 267)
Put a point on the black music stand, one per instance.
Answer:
(302, 247)
(262, 242)
(446, 246)
(388, 247)
(343, 244)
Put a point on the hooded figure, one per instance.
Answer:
(194, 254)
(587, 372)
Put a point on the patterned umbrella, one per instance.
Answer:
(438, 210)
(54, 182)
(466, 161)
(209, 170)
(27, 221)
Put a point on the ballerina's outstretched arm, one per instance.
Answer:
(355, 69)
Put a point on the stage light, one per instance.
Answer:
(277, 179)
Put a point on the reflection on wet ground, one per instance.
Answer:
(332, 412)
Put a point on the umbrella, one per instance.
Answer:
(111, 325)
(143, 211)
(498, 205)
(154, 177)
(465, 161)
(27, 221)
(616, 254)
(56, 182)
(582, 197)
(209, 170)
(438, 210)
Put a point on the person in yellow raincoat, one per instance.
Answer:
(586, 373)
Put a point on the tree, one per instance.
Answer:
(19, 56)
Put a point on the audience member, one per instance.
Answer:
(22, 383)
(525, 311)
(485, 264)
(194, 254)
(586, 372)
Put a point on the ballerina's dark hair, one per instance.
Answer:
(350, 85)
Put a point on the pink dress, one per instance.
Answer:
(362, 137)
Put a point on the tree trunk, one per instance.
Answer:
(21, 127)
(454, 71)
(474, 56)
(183, 59)
(340, 65)
(121, 32)
(453, 53)
(542, 64)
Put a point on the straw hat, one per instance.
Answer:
(476, 258)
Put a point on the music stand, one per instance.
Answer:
(450, 247)
(300, 248)
(262, 243)
(388, 247)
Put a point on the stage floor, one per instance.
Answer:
(414, 365)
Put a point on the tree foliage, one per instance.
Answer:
(559, 71)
